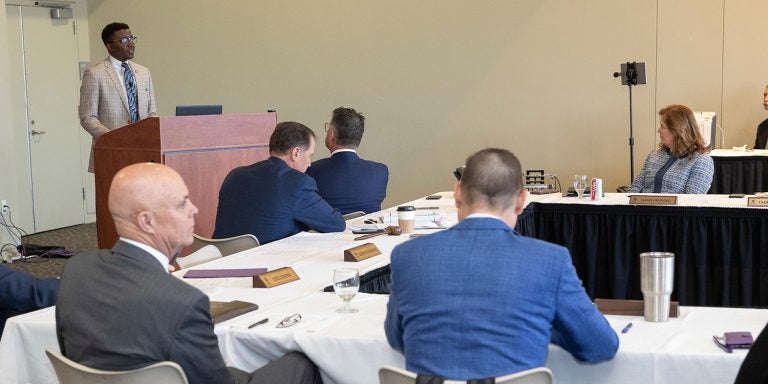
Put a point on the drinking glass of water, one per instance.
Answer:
(346, 283)
(580, 184)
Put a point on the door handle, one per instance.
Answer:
(38, 132)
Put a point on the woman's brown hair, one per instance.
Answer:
(680, 122)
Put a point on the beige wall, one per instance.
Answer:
(438, 80)
(8, 161)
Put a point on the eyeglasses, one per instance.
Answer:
(328, 126)
(125, 40)
(289, 321)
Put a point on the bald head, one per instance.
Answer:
(491, 183)
(150, 203)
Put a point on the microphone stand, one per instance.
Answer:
(631, 79)
(631, 139)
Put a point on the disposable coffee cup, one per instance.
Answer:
(657, 272)
(406, 218)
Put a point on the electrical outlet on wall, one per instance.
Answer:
(9, 251)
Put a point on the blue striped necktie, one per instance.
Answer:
(130, 87)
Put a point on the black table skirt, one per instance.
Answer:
(721, 253)
(743, 174)
(376, 281)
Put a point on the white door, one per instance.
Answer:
(44, 87)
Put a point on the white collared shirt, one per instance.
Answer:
(162, 259)
(483, 215)
(118, 65)
(343, 150)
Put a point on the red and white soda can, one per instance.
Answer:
(597, 189)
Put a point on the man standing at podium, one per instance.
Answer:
(115, 92)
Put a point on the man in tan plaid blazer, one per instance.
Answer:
(103, 98)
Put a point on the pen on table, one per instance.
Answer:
(260, 322)
(428, 208)
(626, 329)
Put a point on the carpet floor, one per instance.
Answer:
(77, 238)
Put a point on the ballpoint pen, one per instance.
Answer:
(626, 329)
(263, 321)
(724, 347)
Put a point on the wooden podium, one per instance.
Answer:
(203, 149)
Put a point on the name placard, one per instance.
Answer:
(361, 252)
(652, 200)
(759, 201)
(274, 278)
(630, 307)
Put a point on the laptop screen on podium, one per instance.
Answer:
(194, 110)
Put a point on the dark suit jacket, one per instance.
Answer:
(118, 309)
(753, 369)
(762, 135)
(478, 300)
(271, 201)
(349, 183)
(21, 292)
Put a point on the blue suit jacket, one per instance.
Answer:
(349, 183)
(271, 201)
(21, 292)
(478, 300)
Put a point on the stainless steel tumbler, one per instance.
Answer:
(657, 272)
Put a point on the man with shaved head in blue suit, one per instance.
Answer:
(478, 300)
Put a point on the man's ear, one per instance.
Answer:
(520, 203)
(295, 153)
(145, 222)
(457, 195)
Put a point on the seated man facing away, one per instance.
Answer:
(347, 182)
(20, 292)
(478, 300)
(120, 309)
(753, 368)
(274, 198)
(761, 137)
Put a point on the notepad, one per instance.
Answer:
(210, 273)
(225, 310)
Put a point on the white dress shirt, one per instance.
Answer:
(162, 259)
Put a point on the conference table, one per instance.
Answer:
(739, 171)
(720, 244)
(350, 348)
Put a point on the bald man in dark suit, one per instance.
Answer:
(120, 309)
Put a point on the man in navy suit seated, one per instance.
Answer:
(274, 198)
(344, 180)
(20, 292)
(478, 300)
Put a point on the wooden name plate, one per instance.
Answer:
(759, 201)
(652, 200)
(361, 252)
(630, 307)
(274, 278)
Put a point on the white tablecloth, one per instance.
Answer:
(712, 201)
(351, 348)
(738, 152)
